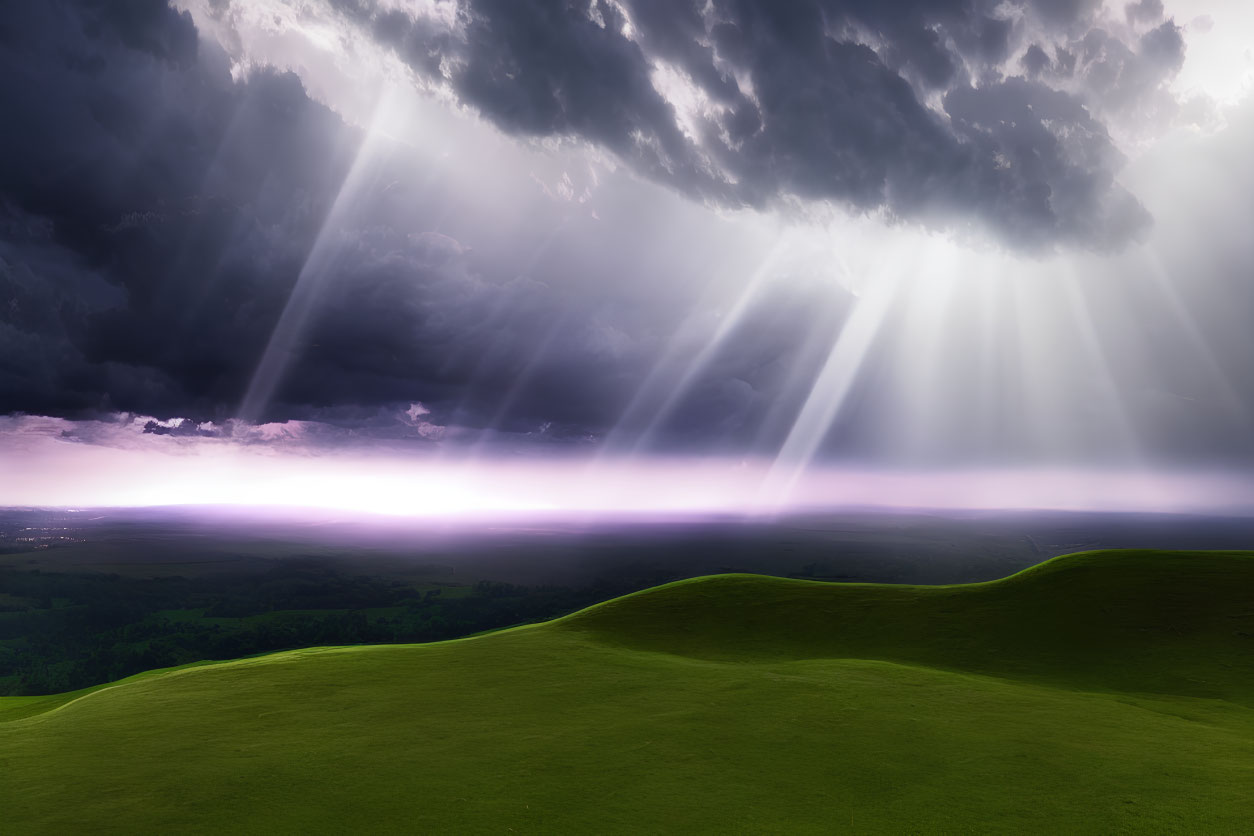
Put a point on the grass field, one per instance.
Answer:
(1097, 693)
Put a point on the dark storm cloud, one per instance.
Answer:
(1035, 61)
(135, 163)
(1061, 181)
(537, 68)
(155, 216)
(1126, 79)
(821, 99)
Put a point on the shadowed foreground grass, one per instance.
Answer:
(1100, 693)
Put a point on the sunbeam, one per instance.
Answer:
(319, 269)
(673, 373)
(1040, 406)
(830, 389)
(923, 349)
(1124, 441)
(692, 369)
(497, 351)
(522, 378)
(1203, 356)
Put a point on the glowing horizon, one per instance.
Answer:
(431, 287)
(50, 472)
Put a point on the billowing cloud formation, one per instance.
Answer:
(161, 201)
(145, 194)
(978, 112)
(156, 214)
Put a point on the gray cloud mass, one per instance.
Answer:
(156, 211)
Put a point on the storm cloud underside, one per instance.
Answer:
(158, 209)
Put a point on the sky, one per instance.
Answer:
(473, 256)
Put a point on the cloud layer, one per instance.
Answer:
(156, 215)
(161, 202)
(979, 113)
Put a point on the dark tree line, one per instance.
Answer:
(71, 631)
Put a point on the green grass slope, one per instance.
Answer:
(1158, 622)
(1098, 693)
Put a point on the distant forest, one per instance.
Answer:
(61, 632)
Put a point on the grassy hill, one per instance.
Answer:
(1102, 692)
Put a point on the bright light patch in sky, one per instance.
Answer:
(1220, 61)
(47, 471)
